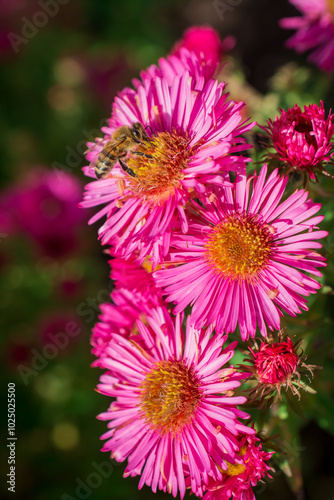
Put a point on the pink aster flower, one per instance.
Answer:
(302, 139)
(175, 413)
(238, 480)
(194, 135)
(205, 42)
(244, 258)
(135, 295)
(278, 365)
(315, 31)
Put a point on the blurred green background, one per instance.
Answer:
(60, 73)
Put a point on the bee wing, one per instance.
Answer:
(113, 145)
(98, 141)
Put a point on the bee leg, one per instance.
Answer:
(147, 138)
(141, 154)
(148, 126)
(125, 168)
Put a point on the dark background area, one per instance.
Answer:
(56, 92)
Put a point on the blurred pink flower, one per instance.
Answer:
(16, 350)
(59, 329)
(205, 42)
(104, 74)
(11, 23)
(302, 139)
(174, 413)
(70, 287)
(315, 31)
(44, 206)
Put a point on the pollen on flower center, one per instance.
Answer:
(158, 177)
(239, 247)
(330, 6)
(169, 396)
(236, 469)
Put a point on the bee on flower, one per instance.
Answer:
(194, 133)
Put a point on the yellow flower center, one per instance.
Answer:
(148, 265)
(236, 469)
(169, 396)
(239, 247)
(158, 177)
(330, 7)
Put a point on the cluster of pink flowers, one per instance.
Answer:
(199, 250)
